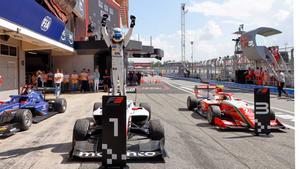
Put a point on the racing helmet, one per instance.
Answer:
(117, 35)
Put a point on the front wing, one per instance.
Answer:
(150, 150)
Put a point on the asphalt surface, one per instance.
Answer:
(190, 142)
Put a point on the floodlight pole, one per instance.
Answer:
(192, 43)
(183, 12)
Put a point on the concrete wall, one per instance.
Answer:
(76, 62)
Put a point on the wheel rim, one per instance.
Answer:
(27, 119)
(209, 116)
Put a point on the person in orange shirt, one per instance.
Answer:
(74, 81)
(66, 83)
(84, 81)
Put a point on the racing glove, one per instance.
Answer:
(104, 18)
(132, 24)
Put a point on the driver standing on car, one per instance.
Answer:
(117, 43)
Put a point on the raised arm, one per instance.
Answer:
(129, 33)
(104, 31)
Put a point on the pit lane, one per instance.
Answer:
(190, 142)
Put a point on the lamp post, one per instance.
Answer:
(192, 43)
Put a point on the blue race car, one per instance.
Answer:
(29, 107)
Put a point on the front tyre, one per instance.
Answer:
(60, 105)
(213, 112)
(24, 118)
(156, 130)
(81, 128)
(192, 102)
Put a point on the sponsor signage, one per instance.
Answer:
(79, 8)
(114, 131)
(67, 38)
(99, 7)
(262, 111)
(129, 154)
(32, 16)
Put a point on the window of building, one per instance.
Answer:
(4, 49)
(12, 51)
(8, 50)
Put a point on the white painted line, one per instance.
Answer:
(285, 116)
(178, 87)
(289, 126)
(189, 89)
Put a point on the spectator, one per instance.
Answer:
(281, 83)
(39, 78)
(260, 77)
(66, 83)
(96, 80)
(50, 79)
(139, 77)
(84, 81)
(58, 79)
(45, 78)
(257, 74)
(74, 81)
(266, 78)
(33, 79)
(90, 80)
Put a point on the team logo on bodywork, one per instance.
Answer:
(115, 100)
(263, 90)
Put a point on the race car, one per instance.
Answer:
(29, 107)
(139, 123)
(224, 110)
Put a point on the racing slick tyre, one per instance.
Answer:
(156, 130)
(213, 111)
(272, 114)
(60, 105)
(147, 107)
(97, 105)
(81, 128)
(192, 102)
(24, 118)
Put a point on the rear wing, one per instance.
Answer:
(207, 88)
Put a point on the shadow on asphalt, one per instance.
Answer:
(197, 116)
(205, 125)
(183, 109)
(56, 148)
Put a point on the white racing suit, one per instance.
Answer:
(118, 67)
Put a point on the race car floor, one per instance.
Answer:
(190, 142)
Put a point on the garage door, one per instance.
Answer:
(8, 71)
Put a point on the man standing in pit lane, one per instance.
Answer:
(58, 79)
(281, 83)
(118, 42)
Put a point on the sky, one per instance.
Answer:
(210, 24)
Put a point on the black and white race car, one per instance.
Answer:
(87, 132)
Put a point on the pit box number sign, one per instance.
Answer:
(262, 111)
(113, 145)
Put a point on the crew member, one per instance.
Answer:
(58, 79)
